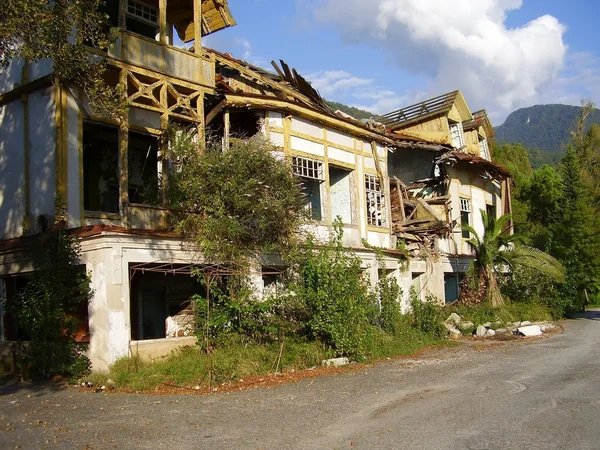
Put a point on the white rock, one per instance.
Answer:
(490, 333)
(451, 328)
(454, 318)
(547, 326)
(501, 330)
(481, 330)
(466, 325)
(525, 323)
(335, 362)
(529, 330)
(487, 324)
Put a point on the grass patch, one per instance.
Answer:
(189, 366)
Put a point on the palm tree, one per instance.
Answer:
(498, 251)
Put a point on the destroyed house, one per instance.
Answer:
(397, 183)
(436, 191)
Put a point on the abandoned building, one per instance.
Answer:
(403, 182)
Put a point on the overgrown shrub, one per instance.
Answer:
(390, 313)
(340, 304)
(428, 315)
(46, 308)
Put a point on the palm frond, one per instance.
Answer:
(536, 259)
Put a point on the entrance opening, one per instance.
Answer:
(162, 304)
(143, 169)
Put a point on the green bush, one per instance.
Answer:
(390, 314)
(428, 316)
(340, 306)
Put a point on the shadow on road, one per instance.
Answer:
(8, 386)
(591, 314)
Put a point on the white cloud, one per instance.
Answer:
(361, 93)
(459, 45)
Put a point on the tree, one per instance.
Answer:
(235, 204)
(498, 250)
(64, 31)
(46, 309)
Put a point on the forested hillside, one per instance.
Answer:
(543, 129)
(354, 112)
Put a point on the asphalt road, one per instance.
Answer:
(540, 394)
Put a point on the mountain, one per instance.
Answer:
(545, 129)
(354, 112)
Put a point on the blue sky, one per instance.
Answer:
(384, 54)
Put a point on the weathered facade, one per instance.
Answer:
(406, 181)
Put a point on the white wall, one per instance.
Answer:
(42, 139)
(12, 166)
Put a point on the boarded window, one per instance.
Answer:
(376, 214)
(100, 168)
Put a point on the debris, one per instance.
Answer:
(335, 362)
(481, 331)
(451, 329)
(453, 318)
(466, 325)
(529, 330)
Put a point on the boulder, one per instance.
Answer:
(490, 333)
(335, 362)
(481, 330)
(452, 330)
(529, 330)
(488, 324)
(466, 325)
(525, 323)
(547, 326)
(454, 318)
(501, 331)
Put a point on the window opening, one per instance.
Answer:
(244, 124)
(376, 215)
(162, 305)
(484, 150)
(100, 168)
(311, 173)
(142, 18)
(143, 169)
(456, 135)
(465, 212)
(340, 182)
(490, 210)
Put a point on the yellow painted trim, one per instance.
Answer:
(378, 229)
(307, 155)
(287, 141)
(323, 119)
(101, 215)
(329, 219)
(341, 164)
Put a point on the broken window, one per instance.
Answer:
(143, 167)
(484, 150)
(340, 182)
(456, 135)
(142, 18)
(273, 281)
(376, 214)
(245, 124)
(490, 210)
(465, 213)
(100, 168)
(311, 173)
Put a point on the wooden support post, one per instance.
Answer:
(287, 137)
(197, 27)
(201, 124)
(162, 21)
(123, 160)
(226, 130)
(400, 198)
(60, 102)
(164, 126)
